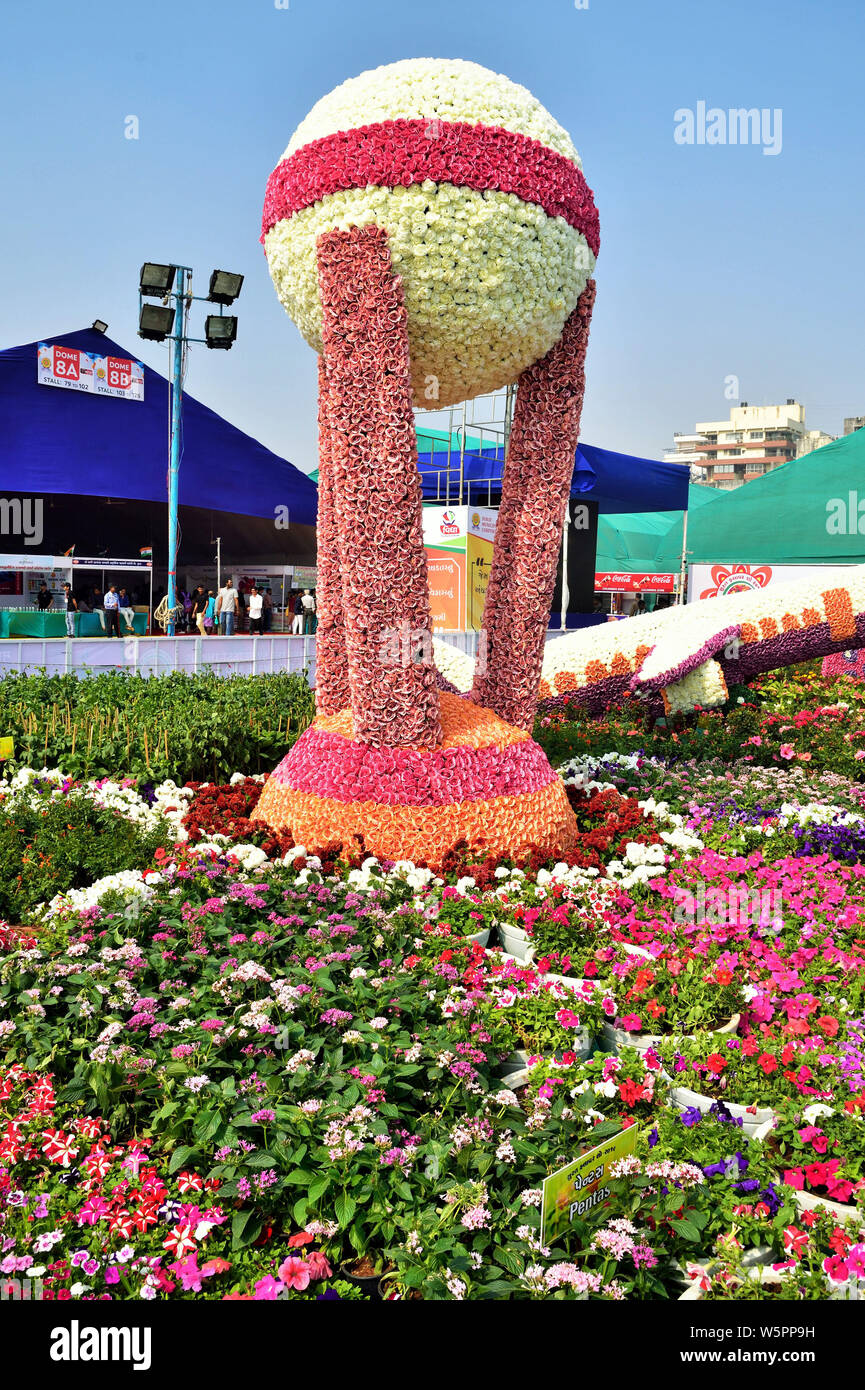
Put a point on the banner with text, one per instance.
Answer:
(86, 371)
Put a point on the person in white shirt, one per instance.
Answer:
(308, 612)
(226, 608)
(255, 603)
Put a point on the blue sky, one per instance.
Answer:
(715, 260)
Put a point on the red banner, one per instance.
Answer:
(611, 582)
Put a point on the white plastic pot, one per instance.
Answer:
(516, 942)
(613, 1039)
(753, 1118)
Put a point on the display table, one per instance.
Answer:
(30, 622)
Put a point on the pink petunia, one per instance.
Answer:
(294, 1273)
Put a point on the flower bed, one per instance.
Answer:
(243, 1071)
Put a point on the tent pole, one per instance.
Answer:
(566, 593)
(682, 594)
(150, 614)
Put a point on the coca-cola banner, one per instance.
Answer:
(610, 582)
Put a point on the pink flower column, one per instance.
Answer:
(535, 491)
(331, 659)
(376, 492)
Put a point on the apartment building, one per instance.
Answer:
(756, 438)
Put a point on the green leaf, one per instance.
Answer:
(206, 1125)
(319, 1187)
(262, 1160)
(345, 1207)
(181, 1157)
(300, 1177)
(512, 1263)
(245, 1228)
(685, 1228)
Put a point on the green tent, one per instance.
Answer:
(805, 512)
(647, 541)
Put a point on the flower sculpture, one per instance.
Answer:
(430, 231)
(683, 657)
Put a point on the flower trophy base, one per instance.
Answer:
(488, 786)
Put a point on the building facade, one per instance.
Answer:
(756, 438)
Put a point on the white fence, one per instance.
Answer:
(154, 656)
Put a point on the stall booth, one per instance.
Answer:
(21, 577)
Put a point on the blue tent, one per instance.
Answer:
(56, 441)
(617, 482)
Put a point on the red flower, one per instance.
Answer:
(300, 1238)
(768, 1062)
(716, 1063)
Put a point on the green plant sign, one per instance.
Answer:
(575, 1190)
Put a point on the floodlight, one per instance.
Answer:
(224, 287)
(220, 330)
(99, 325)
(155, 322)
(156, 280)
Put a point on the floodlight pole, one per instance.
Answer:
(174, 452)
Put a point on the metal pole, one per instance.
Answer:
(566, 593)
(150, 614)
(174, 453)
(218, 563)
(684, 565)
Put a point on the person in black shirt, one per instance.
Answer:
(43, 598)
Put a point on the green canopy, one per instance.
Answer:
(647, 541)
(805, 512)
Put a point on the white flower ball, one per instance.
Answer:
(490, 223)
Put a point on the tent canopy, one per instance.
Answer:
(650, 542)
(617, 482)
(797, 514)
(55, 441)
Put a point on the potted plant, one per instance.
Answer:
(747, 1074)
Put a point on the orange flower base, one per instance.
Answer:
(487, 784)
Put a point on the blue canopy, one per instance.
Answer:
(62, 441)
(617, 482)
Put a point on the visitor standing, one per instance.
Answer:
(308, 612)
(297, 620)
(226, 608)
(112, 611)
(267, 614)
(210, 613)
(255, 604)
(199, 608)
(43, 598)
(71, 609)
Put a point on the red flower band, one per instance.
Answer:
(403, 152)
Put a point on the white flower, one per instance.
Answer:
(489, 279)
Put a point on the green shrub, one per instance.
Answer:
(65, 843)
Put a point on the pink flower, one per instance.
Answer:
(294, 1273)
(267, 1288)
(787, 751)
(188, 1272)
(319, 1265)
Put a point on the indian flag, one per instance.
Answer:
(146, 552)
